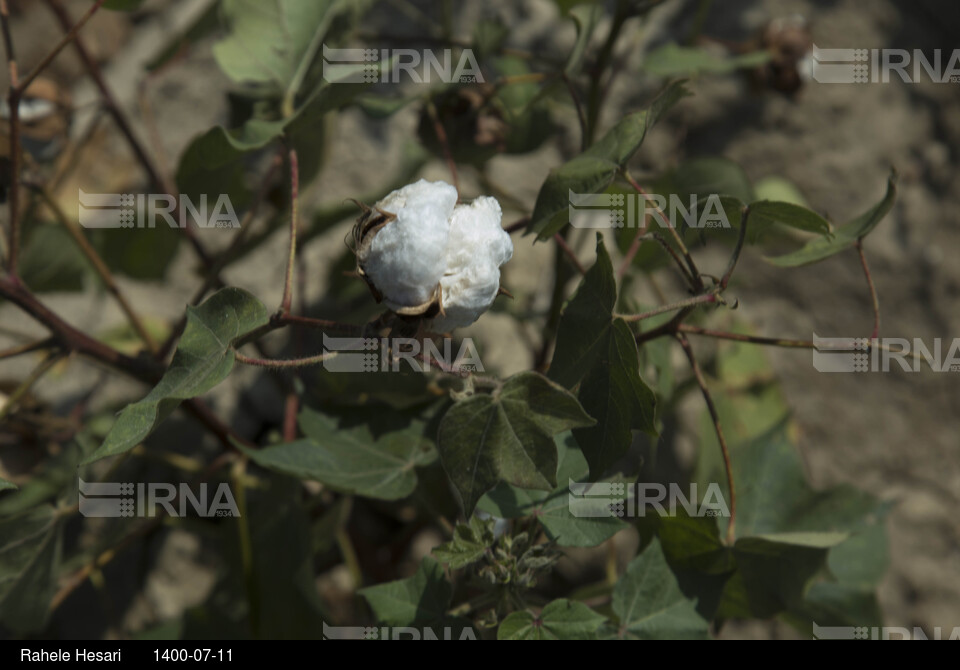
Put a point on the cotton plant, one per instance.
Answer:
(423, 255)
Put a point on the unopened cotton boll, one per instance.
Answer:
(423, 254)
(478, 246)
(406, 258)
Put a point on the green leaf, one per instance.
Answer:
(617, 396)
(203, 359)
(213, 161)
(51, 261)
(776, 503)
(846, 235)
(650, 605)
(421, 600)
(767, 213)
(594, 346)
(586, 18)
(4, 484)
(30, 551)
(269, 42)
(470, 541)
(594, 169)
(560, 620)
(586, 322)
(706, 176)
(848, 597)
(780, 189)
(553, 509)
(144, 253)
(351, 459)
(671, 60)
(506, 436)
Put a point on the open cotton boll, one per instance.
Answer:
(406, 258)
(477, 247)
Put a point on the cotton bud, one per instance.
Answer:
(425, 256)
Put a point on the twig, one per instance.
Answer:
(13, 102)
(562, 243)
(873, 290)
(26, 348)
(67, 39)
(708, 399)
(691, 302)
(739, 337)
(294, 211)
(99, 266)
(286, 363)
(517, 225)
(81, 575)
(744, 216)
(581, 117)
(51, 359)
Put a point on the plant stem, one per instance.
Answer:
(294, 212)
(706, 298)
(284, 363)
(581, 117)
(52, 358)
(744, 216)
(708, 399)
(65, 40)
(562, 243)
(752, 339)
(26, 348)
(873, 290)
(13, 102)
(594, 98)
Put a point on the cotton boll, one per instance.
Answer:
(406, 258)
(478, 246)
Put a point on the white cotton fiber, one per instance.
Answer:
(406, 258)
(435, 241)
(478, 246)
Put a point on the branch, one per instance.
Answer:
(708, 399)
(286, 363)
(27, 348)
(739, 337)
(67, 39)
(704, 299)
(873, 290)
(562, 243)
(13, 101)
